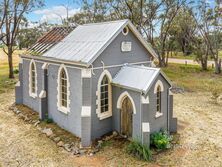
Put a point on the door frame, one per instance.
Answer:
(127, 116)
(119, 106)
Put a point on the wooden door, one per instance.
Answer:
(126, 117)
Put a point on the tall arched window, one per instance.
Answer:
(63, 90)
(104, 96)
(158, 90)
(158, 99)
(32, 79)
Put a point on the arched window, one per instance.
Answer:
(158, 99)
(32, 79)
(63, 90)
(104, 95)
(158, 90)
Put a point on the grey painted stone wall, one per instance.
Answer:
(172, 121)
(43, 99)
(117, 91)
(86, 117)
(19, 87)
(72, 120)
(28, 100)
(113, 55)
(149, 110)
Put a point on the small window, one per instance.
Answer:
(158, 99)
(63, 88)
(104, 95)
(125, 31)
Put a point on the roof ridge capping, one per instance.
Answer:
(144, 67)
(106, 22)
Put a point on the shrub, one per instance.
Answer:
(139, 150)
(160, 140)
(15, 71)
(49, 120)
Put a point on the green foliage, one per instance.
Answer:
(106, 143)
(16, 71)
(161, 140)
(139, 150)
(49, 120)
(192, 78)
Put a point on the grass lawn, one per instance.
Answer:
(191, 78)
(180, 55)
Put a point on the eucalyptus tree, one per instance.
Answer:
(208, 19)
(14, 12)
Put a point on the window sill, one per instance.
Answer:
(63, 110)
(158, 114)
(104, 115)
(33, 95)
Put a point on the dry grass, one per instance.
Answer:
(7, 84)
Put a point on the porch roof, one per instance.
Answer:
(138, 78)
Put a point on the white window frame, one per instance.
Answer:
(159, 84)
(122, 97)
(108, 113)
(34, 95)
(59, 100)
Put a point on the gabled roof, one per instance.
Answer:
(85, 43)
(138, 78)
(51, 38)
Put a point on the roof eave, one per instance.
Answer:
(126, 87)
(164, 76)
(54, 60)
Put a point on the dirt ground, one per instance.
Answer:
(200, 139)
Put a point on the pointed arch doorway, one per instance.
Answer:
(126, 117)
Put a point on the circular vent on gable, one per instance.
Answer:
(125, 31)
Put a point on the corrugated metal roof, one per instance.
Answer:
(51, 38)
(138, 78)
(85, 43)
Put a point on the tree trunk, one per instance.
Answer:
(217, 66)
(162, 62)
(10, 63)
(204, 64)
